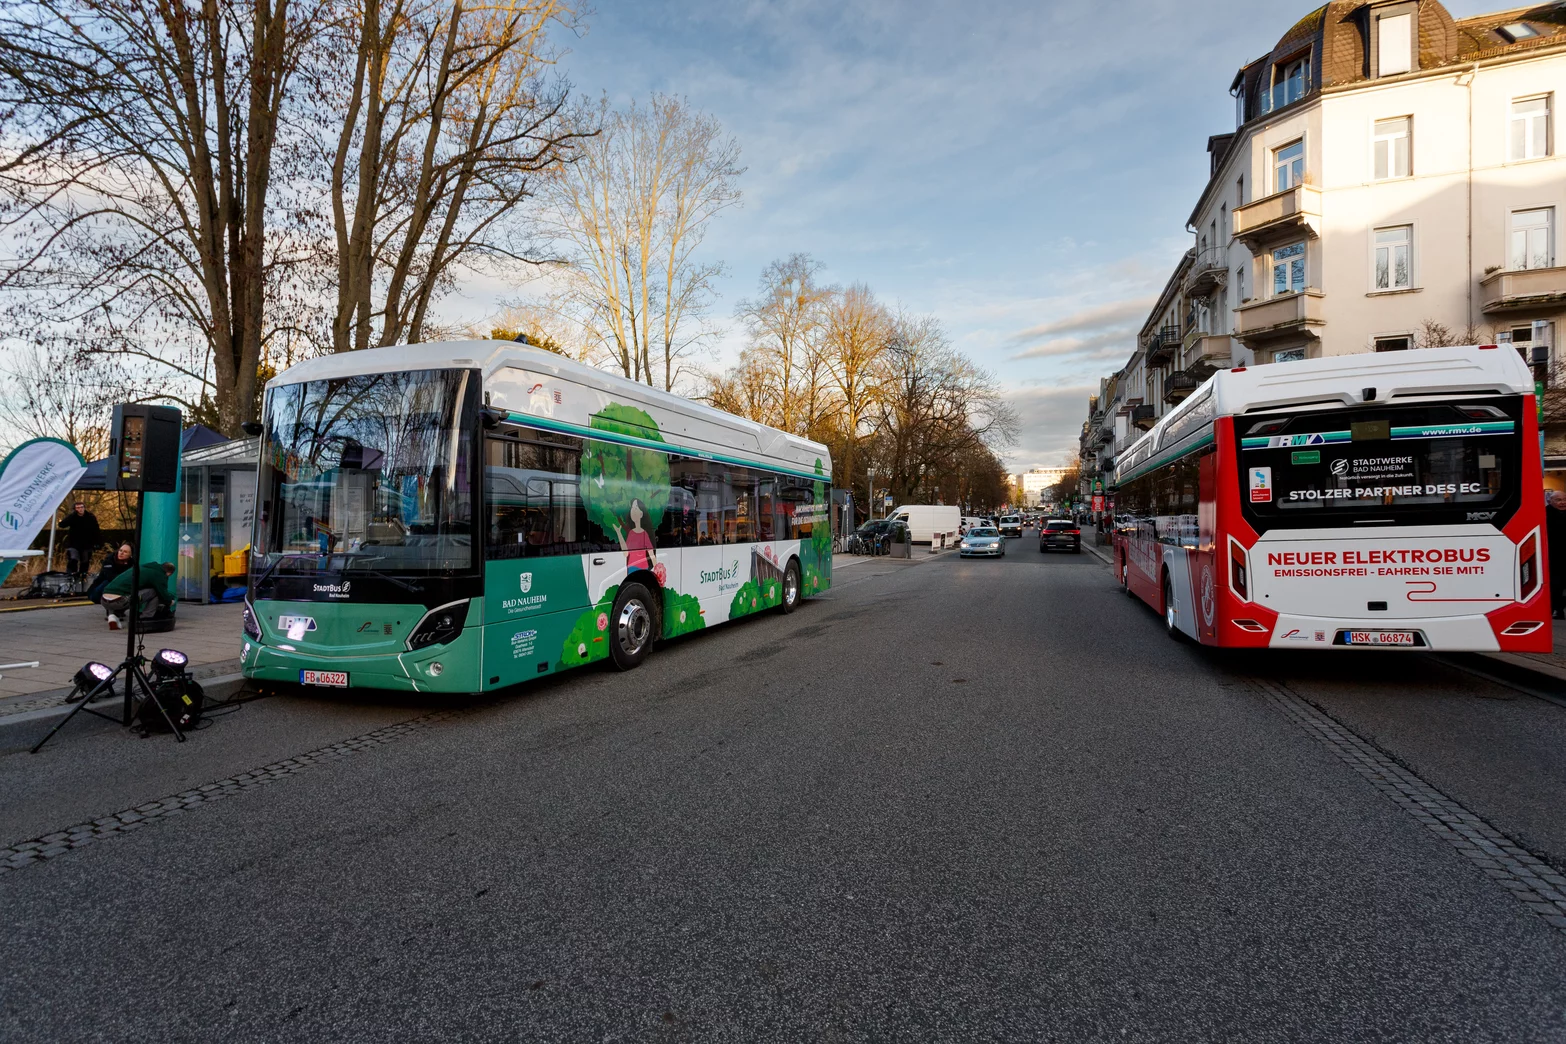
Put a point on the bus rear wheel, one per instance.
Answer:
(791, 588)
(631, 624)
(1169, 609)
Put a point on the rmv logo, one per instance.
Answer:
(527, 582)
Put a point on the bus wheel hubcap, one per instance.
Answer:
(634, 624)
(790, 587)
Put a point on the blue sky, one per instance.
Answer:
(1021, 170)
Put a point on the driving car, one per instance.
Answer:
(1010, 525)
(1060, 534)
(983, 541)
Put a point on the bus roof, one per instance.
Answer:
(681, 422)
(1342, 380)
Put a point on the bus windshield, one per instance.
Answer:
(370, 473)
(1420, 464)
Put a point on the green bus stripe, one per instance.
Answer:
(665, 447)
(1417, 431)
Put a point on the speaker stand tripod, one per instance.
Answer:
(130, 667)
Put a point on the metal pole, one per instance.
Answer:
(49, 562)
(135, 603)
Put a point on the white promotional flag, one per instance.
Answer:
(34, 479)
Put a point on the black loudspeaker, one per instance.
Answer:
(143, 449)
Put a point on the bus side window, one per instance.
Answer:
(671, 528)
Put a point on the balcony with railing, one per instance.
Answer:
(1291, 315)
(1283, 93)
(1161, 346)
(1143, 417)
(1180, 384)
(1288, 213)
(1515, 291)
(1209, 271)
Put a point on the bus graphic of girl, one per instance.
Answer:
(638, 544)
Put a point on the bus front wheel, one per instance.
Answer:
(790, 587)
(632, 624)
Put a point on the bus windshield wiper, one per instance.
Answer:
(269, 570)
(365, 556)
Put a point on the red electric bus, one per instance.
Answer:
(1387, 500)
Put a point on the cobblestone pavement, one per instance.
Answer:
(981, 800)
(63, 638)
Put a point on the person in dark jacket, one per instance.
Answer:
(82, 537)
(112, 567)
(1555, 537)
(156, 593)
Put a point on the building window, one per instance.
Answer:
(1289, 166)
(1530, 131)
(1395, 48)
(1223, 221)
(1392, 344)
(1540, 334)
(1239, 286)
(1533, 238)
(1239, 192)
(1394, 263)
(1288, 269)
(1391, 148)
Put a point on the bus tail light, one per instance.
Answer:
(1239, 582)
(1528, 567)
(1250, 625)
(1523, 627)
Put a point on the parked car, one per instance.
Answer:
(928, 520)
(1011, 525)
(866, 540)
(1060, 534)
(982, 541)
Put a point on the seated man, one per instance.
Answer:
(156, 595)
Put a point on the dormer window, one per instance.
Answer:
(1290, 83)
(1515, 31)
(1394, 44)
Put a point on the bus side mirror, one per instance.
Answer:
(250, 427)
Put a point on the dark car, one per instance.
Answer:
(1060, 534)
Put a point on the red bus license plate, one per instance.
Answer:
(1381, 638)
(335, 679)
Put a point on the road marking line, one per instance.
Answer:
(58, 842)
(1533, 882)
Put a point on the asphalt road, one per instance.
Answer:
(981, 800)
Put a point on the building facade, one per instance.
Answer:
(1037, 483)
(1394, 182)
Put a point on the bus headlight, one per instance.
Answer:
(252, 628)
(439, 626)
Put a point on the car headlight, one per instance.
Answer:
(252, 628)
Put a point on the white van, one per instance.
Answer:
(928, 520)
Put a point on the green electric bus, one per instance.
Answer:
(466, 516)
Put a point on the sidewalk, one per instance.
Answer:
(62, 639)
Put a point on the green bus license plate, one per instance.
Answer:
(334, 679)
(1381, 638)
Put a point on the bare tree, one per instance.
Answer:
(935, 406)
(857, 330)
(139, 182)
(630, 214)
(785, 321)
(443, 124)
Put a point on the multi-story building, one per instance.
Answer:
(1037, 483)
(1394, 181)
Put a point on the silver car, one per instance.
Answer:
(982, 541)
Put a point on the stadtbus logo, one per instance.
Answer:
(527, 582)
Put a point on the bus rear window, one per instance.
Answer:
(1405, 465)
